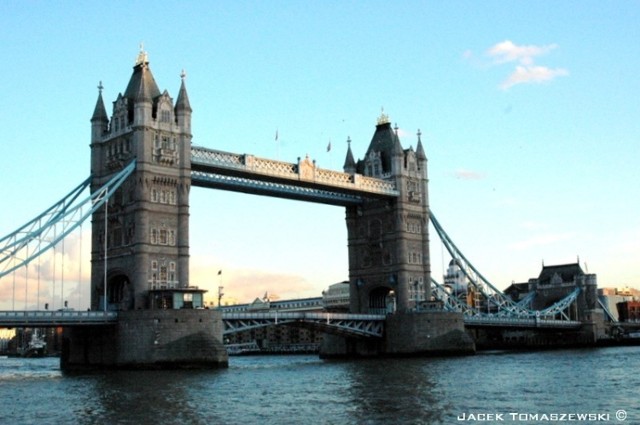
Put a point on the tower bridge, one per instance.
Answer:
(143, 165)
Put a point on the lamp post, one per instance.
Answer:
(220, 295)
(106, 208)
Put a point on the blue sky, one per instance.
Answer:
(528, 112)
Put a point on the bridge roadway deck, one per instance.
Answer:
(518, 322)
(46, 318)
(365, 325)
(302, 181)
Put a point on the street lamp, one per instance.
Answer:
(220, 294)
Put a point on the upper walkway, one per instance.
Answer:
(302, 180)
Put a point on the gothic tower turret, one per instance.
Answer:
(388, 239)
(349, 163)
(146, 223)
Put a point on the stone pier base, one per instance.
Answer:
(407, 334)
(148, 339)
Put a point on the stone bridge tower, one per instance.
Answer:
(389, 262)
(147, 229)
(389, 239)
(140, 241)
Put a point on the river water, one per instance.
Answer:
(579, 386)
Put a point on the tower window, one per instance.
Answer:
(163, 236)
(163, 274)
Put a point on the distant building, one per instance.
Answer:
(455, 279)
(278, 338)
(556, 282)
(628, 311)
(287, 338)
(611, 298)
(517, 291)
(336, 298)
(264, 304)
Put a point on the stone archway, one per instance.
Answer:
(119, 293)
(381, 300)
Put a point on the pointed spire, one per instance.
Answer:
(182, 104)
(397, 146)
(349, 162)
(142, 86)
(420, 149)
(385, 142)
(99, 112)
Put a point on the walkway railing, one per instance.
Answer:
(303, 173)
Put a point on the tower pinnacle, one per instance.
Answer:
(383, 118)
(143, 57)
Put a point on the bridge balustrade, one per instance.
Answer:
(305, 171)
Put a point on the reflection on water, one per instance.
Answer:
(305, 389)
(400, 390)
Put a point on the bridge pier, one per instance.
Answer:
(427, 333)
(148, 339)
(590, 333)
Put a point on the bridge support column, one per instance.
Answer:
(148, 339)
(427, 333)
(407, 334)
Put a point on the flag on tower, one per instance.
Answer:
(329, 146)
(276, 134)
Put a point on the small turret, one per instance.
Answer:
(419, 149)
(100, 119)
(183, 107)
(349, 162)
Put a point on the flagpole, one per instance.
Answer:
(220, 288)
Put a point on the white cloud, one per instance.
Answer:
(402, 133)
(532, 75)
(507, 51)
(468, 174)
(541, 240)
(526, 71)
